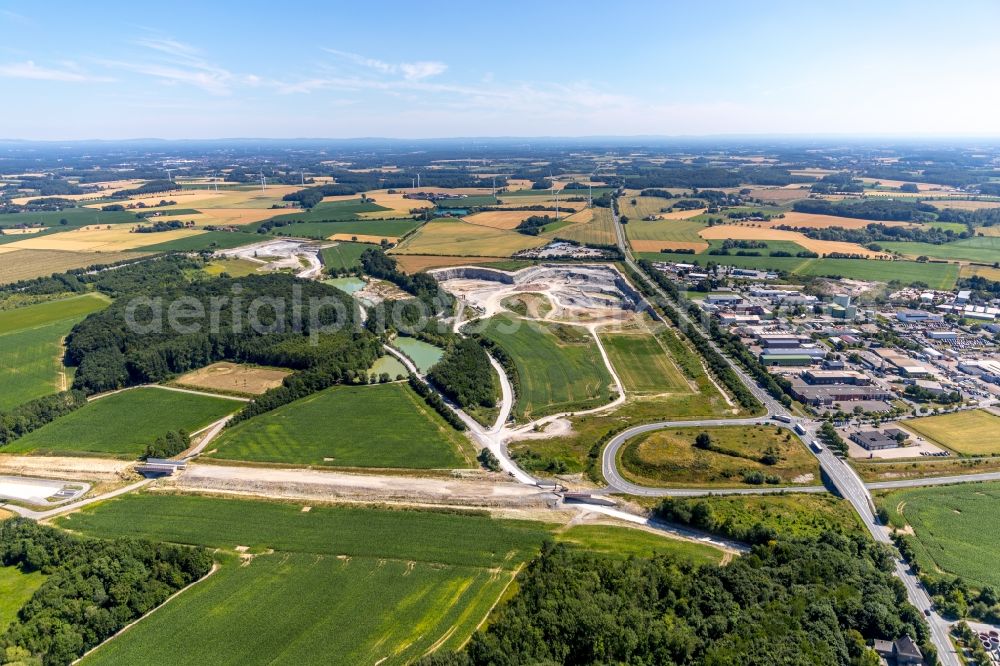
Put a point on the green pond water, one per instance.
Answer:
(422, 354)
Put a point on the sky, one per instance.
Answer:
(200, 70)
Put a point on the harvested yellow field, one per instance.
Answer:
(989, 231)
(7, 248)
(203, 199)
(545, 200)
(20, 264)
(812, 172)
(667, 246)
(600, 229)
(363, 238)
(921, 187)
(100, 239)
(965, 204)
(780, 195)
(398, 205)
(504, 219)
(811, 220)
(21, 232)
(734, 232)
(988, 272)
(518, 184)
(105, 189)
(234, 216)
(414, 263)
(585, 215)
(234, 378)
(459, 238)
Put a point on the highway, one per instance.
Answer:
(847, 483)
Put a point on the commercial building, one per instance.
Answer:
(826, 377)
(873, 440)
(918, 316)
(828, 394)
(787, 360)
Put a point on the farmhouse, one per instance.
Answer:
(901, 652)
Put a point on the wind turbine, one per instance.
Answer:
(302, 175)
(418, 179)
(263, 183)
(169, 177)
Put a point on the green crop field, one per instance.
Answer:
(627, 542)
(333, 210)
(982, 249)
(324, 229)
(75, 217)
(16, 588)
(233, 267)
(559, 367)
(971, 432)
(383, 425)
(122, 424)
(643, 364)
(343, 585)
(670, 457)
(680, 231)
(344, 256)
(31, 346)
(210, 240)
(936, 276)
(953, 528)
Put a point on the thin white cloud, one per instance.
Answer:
(29, 70)
(411, 71)
(178, 63)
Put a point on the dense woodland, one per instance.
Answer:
(465, 375)
(378, 264)
(870, 209)
(152, 187)
(24, 418)
(93, 588)
(877, 233)
(787, 602)
(110, 354)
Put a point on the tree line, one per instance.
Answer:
(870, 209)
(465, 375)
(788, 602)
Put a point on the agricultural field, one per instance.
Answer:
(504, 219)
(458, 238)
(122, 424)
(574, 450)
(598, 230)
(936, 276)
(964, 204)
(642, 363)
(233, 267)
(559, 367)
(952, 526)
(671, 457)
(382, 425)
(75, 217)
(335, 210)
(16, 588)
(31, 347)
(233, 378)
(816, 221)
(821, 247)
(350, 585)
(646, 206)
(417, 263)
(369, 230)
(623, 542)
(982, 249)
(988, 272)
(206, 240)
(100, 238)
(19, 264)
(343, 256)
(971, 432)
(675, 234)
